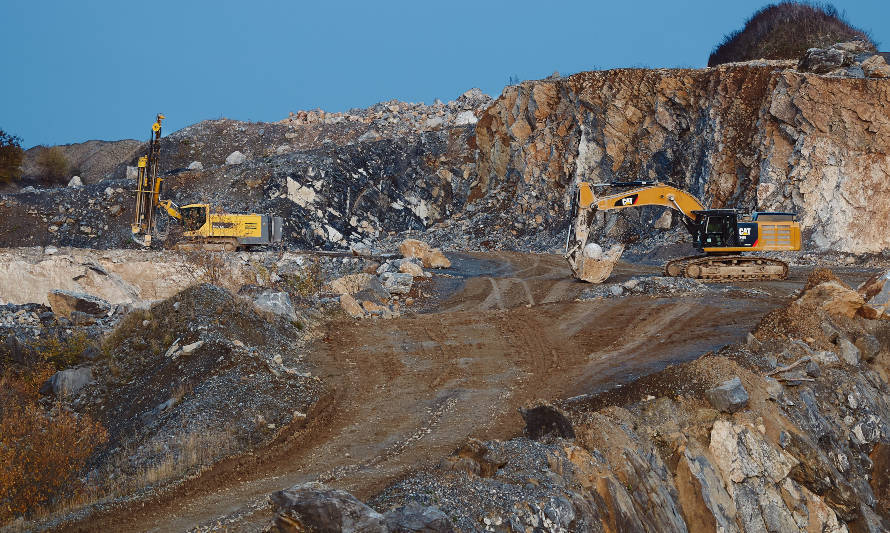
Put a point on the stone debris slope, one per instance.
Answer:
(796, 440)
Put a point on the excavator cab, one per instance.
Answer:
(718, 228)
(193, 217)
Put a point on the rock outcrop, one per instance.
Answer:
(736, 136)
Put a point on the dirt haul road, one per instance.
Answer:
(505, 330)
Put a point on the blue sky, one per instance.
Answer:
(101, 69)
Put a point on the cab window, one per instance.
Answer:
(193, 217)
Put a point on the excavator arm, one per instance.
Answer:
(171, 209)
(657, 194)
(591, 265)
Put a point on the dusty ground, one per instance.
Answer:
(503, 330)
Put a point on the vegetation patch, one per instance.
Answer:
(785, 31)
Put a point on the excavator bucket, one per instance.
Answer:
(588, 260)
(595, 266)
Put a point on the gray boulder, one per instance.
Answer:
(235, 158)
(277, 303)
(397, 282)
(314, 507)
(824, 60)
(67, 382)
(196, 165)
(65, 302)
(75, 182)
(869, 346)
(848, 351)
(728, 397)
(417, 518)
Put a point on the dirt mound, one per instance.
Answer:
(198, 376)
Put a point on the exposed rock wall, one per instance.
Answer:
(750, 137)
(823, 147)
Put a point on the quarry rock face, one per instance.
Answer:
(746, 137)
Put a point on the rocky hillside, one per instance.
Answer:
(93, 161)
(785, 432)
(755, 136)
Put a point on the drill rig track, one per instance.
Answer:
(727, 268)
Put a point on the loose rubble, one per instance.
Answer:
(771, 455)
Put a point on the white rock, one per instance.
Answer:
(465, 117)
(75, 182)
(849, 351)
(197, 165)
(433, 122)
(593, 251)
(236, 158)
(189, 348)
(50, 250)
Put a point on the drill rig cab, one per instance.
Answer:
(722, 234)
(203, 226)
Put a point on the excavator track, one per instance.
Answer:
(209, 245)
(727, 268)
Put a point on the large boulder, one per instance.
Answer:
(417, 518)
(314, 507)
(832, 297)
(430, 257)
(728, 397)
(351, 306)
(824, 60)
(235, 158)
(397, 282)
(876, 67)
(277, 303)
(848, 351)
(354, 283)
(876, 293)
(67, 382)
(65, 302)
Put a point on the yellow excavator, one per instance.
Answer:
(722, 234)
(203, 226)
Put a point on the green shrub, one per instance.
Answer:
(11, 156)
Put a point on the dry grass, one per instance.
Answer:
(785, 31)
(209, 267)
(308, 282)
(178, 457)
(42, 451)
(61, 353)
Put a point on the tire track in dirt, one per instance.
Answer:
(406, 392)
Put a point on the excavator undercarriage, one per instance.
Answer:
(729, 267)
(722, 234)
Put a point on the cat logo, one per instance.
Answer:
(744, 232)
(626, 201)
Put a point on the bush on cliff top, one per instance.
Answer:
(785, 31)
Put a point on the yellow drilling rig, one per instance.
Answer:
(203, 227)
